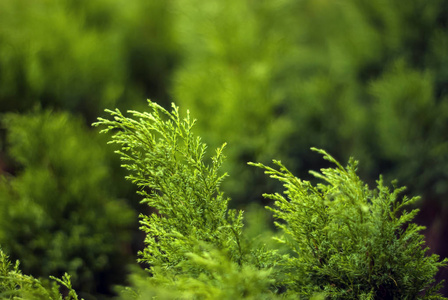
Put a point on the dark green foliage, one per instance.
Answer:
(83, 56)
(345, 240)
(51, 54)
(15, 285)
(349, 241)
(58, 213)
(411, 119)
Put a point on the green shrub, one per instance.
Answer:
(350, 241)
(345, 240)
(59, 213)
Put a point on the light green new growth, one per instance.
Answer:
(166, 162)
(346, 241)
(349, 241)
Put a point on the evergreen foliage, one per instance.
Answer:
(15, 285)
(346, 241)
(349, 241)
(166, 162)
(58, 213)
(270, 77)
(194, 243)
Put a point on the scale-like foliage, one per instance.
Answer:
(350, 241)
(166, 162)
(220, 278)
(346, 240)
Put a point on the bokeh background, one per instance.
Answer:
(272, 78)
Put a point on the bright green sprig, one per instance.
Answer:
(167, 162)
(351, 242)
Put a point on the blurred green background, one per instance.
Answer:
(273, 78)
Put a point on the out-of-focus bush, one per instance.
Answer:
(83, 56)
(274, 78)
(411, 122)
(59, 212)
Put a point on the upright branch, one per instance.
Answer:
(351, 242)
(168, 164)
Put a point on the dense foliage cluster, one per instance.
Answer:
(58, 212)
(346, 241)
(192, 239)
(272, 78)
(350, 241)
(166, 163)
